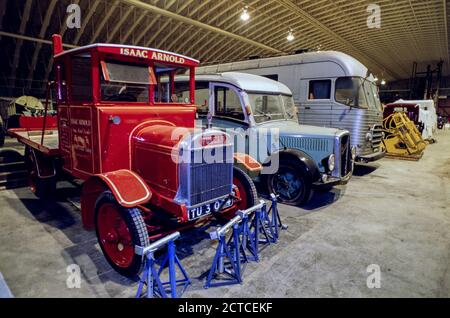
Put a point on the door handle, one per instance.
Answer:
(307, 107)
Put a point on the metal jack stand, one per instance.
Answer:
(268, 223)
(234, 250)
(274, 223)
(152, 277)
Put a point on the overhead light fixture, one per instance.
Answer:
(245, 16)
(383, 82)
(290, 37)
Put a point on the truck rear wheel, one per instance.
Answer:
(290, 183)
(41, 187)
(119, 230)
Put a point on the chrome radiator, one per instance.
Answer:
(343, 154)
(202, 179)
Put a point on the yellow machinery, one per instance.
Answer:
(402, 138)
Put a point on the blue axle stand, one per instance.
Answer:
(269, 222)
(227, 260)
(151, 277)
(244, 244)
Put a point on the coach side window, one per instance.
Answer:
(319, 89)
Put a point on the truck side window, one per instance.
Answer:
(81, 78)
(168, 88)
(319, 89)
(228, 103)
(201, 95)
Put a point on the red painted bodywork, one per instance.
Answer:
(32, 123)
(131, 155)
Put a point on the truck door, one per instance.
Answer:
(315, 102)
(228, 111)
(78, 130)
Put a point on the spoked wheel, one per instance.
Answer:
(41, 187)
(290, 184)
(119, 230)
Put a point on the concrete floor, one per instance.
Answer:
(395, 214)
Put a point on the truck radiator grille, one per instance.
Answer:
(345, 155)
(209, 181)
(377, 136)
(202, 181)
(308, 144)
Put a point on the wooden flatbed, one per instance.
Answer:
(32, 138)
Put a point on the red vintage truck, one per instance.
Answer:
(121, 134)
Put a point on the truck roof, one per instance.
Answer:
(135, 51)
(350, 65)
(247, 82)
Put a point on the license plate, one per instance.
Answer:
(213, 207)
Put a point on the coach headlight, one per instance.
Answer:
(331, 162)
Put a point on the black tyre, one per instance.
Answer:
(41, 187)
(290, 183)
(119, 230)
(246, 187)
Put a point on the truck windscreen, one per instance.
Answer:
(123, 82)
(266, 107)
(350, 91)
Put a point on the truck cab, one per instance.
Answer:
(145, 170)
(261, 115)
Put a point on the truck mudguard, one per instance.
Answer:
(247, 161)
(127, 187)
(302, 158)
(45, 166)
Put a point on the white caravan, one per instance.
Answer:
(330, 89)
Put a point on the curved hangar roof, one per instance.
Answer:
(213, 32)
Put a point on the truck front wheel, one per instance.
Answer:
(41, 187)
(290, 183)
(248, 196)
(119, 230)
(246, 188)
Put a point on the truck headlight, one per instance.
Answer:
(369, 136)
(353, 153)
(331, 162)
